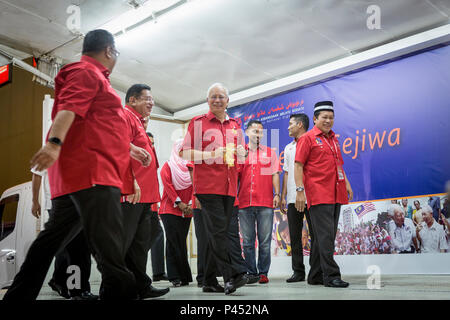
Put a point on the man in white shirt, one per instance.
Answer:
(430, 233)
(298, 125)
(402, 231)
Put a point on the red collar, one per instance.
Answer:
(318, 132)
(260, 147)
(211, 116)
(96, 63)
(137, 114)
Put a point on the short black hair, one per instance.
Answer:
(301, 117)
(97, 40)
(150, 134)
(252, 122)
(135, 91)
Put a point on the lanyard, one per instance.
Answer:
(334, 151)
(339, 170)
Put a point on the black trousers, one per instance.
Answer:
(97, 210)
(177, 229)
(237, 260)
(157, 249)
(295, 222)
(202, 243)
(216, 214)
(324, 223)
(76, 253)
(141, 230)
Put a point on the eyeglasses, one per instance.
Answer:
(218, 97)
(146, 99)
(115, 52)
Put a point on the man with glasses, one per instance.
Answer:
(212, 142)
(87, 154)
(140, 227)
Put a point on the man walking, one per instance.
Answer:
(89, 165)
(212, 142)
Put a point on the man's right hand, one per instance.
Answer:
(36, 209)
(183, 206)
(140, 155)
(197, 203)
(283, 206)
(300, 201)
(136, 196)
(45, 157)
(218, 153)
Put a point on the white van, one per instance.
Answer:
(18, 229)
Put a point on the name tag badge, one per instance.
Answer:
(341, 176)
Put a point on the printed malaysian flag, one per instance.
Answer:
(305, 252)
(364, 208)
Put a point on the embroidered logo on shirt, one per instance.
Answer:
(318, 141)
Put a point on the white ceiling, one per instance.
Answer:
(241, 43)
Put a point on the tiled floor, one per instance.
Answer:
(392, 287)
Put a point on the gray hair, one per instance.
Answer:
(427, 208)
(214, 85)
(394, 207)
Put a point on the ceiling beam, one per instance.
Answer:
(356, 61)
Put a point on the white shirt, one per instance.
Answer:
(402, 237)
(433, 239)
(46, 187)
(288, 166)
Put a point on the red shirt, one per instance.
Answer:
(170, 194)
(206, 133)
(255, 178)
(154, 207)
(146, 177)
(96, 149)
(320, 167)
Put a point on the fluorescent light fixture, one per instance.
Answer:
(151, 10)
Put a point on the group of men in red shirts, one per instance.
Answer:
(97, 151)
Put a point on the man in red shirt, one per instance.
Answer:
(212, 142)
(318, 169)
(140, 226)
(258, 178)
(89, 165)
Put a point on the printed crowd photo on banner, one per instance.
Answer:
(395, 152)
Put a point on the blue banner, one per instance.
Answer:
(392, 122)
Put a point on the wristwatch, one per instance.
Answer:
(277, 194)
(55, 140)
(299, 189)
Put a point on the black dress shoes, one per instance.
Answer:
(152, 292)
(176, 283)
(213, 289)
(160, 277)
(315, 283)
(296, 277)
(62, 291)
(251, 278)
(235, 283)
(85, 296)
(337, 283)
